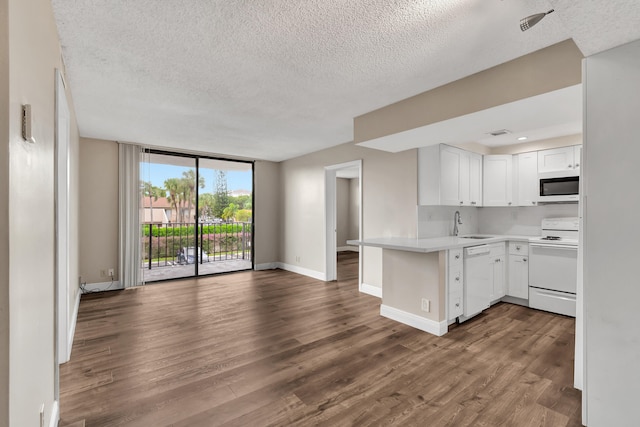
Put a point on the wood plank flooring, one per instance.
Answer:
(273, 348)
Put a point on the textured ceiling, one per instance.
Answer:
(276, 79)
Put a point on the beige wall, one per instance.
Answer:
(266, 212)
(4, 214)
(354, 209)
(548, 69)
(98, 219)
(34, 54)
(389, 193)
(342, 211)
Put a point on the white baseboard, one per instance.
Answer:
(348, 249)
(375, 291)
(102, 286)
(418, 322)
(304, 271)
(266, 266)
(72, 327)
(55, 414)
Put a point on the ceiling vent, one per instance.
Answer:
(499, 132)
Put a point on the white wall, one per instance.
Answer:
(34, 53)
(611, 285)
(437, 221)
(354, 209)
(4, 214)
(521, 220)
(266, 212)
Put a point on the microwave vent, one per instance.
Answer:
(499, 132)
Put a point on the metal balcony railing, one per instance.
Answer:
(179, 244)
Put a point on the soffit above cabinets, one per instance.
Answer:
(553, 114)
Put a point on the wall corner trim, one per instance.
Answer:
(418, 322)
(72, 327)
(375, 291)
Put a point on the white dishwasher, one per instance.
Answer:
(477, 280)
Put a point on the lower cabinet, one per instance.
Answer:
(518, 284)
(455, 283)
(497, 271)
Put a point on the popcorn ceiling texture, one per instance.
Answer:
(276, 79)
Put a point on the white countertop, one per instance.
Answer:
(434, 244)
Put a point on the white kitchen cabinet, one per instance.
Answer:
(497, 186)
(475, 179)
(526, 181)
(560, 159)
(497, 271)
(455, 283)
(518, 283)
(449, 176)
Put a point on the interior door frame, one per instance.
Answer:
(331, 247)
(62, 210)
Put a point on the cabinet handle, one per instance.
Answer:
(570, 166)
(458, 279)
(457, 256)
(524, 260)
(473, 203)
(509, 203)
(517, 248)
(461, 202)
(533, 202)
(577, 165)
(457, 304)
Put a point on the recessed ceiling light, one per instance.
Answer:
(522, 138)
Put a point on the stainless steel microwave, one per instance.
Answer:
(559, 188)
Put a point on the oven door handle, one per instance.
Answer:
(546, 245)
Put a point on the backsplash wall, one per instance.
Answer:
(437, 221)
(521, 220)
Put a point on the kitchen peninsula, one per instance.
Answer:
(419, 276)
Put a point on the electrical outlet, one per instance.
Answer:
(426, 305)
(111, 273)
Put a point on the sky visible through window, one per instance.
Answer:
(157, 173)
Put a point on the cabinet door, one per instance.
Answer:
(577, 157)
(498, 273)
(464, 177)
(475, 179)
(498, 180)
(556, 159)
(518, 276)
(450, 176)
(527, 179)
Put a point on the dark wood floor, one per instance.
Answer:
(275, 348)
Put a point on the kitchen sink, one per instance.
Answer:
(475, 237)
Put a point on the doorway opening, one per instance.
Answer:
(343, 186)
(197, 215)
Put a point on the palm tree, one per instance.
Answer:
(173, 186)
(189, 187)
(230, 211)
(152, 192)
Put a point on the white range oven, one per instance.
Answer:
(553, 266)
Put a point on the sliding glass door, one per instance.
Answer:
(197, 216)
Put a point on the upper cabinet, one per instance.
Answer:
(449, 176)
(526, 179)
(560, 159)
(498, 180)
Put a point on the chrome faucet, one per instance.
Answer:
(456, 220)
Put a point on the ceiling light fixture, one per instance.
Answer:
(522, 138)
(530, 21)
